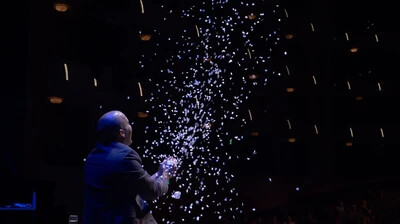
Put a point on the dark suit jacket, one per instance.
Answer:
(114, 176)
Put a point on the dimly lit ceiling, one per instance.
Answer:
(357, 91)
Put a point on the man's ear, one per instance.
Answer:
(122, 133)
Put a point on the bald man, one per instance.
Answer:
(116, 185)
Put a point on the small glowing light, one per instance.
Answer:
(198, 31)
(61, 6)
(287, 69)
(84, 159)
(359, 98)
(289, 36)
(55, 99)
(314, 79)
(142, 6)
(286, 13)
(382, 134)
(66, 71)
(254, 209)
(316, 129)
(270, 179)
(289, 125)
(291, 140)
(230, 141)
(312, 27)
(197, 103)
(142, 114)
(354, 49)
(255, 133)
(379, 87)
(349, 144)
(252, 16)
(140, 89)
(347, 36)
(145, 37)
(348, 85)
(248, 50)
(251, 117)
(376, 38)
(95, 81)
(290, 90)
(351, 132)
(253, 76)
(207, 59)
(297, 189)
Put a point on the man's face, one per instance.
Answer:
(128, 139)
(127, 129)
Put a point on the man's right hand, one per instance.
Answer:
(168, 167)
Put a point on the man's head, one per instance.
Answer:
(114, 126)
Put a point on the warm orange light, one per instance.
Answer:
(145, 37)
(253, 76)
(349, 144)
(359, 98)
(290, 90)
(55, 99)
(254, 133)
(292, 140)
(289, 36)
(142, 114)
(61, 6)
(252, 16)
(354, 49)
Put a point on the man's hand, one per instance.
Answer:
(171, 165)
(168, 167)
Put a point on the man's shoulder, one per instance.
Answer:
(117, 150)
(127, 151)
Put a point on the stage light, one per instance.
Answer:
(142, 114)
(55, 99)
(252, 16)
(290, 90)
(145, 37)
(354, 49)
(253, 76)
(289, 36)
(61, 6)
(255, 133)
